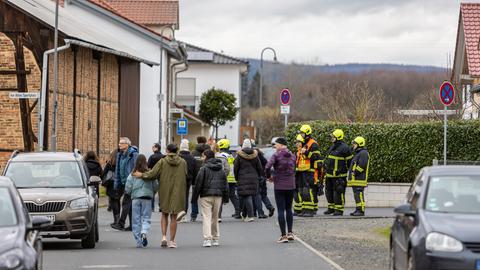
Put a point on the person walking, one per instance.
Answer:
(358, 174)
(283, 163)
(225, 167)
(141, 193)
(247, 171)
(197, 155)
(107, 181)
(152, 160)
(126, 158)
(224, 146)
(172, 172)
(212, 188)
(191, 175)
(337, 162)
(94, 168)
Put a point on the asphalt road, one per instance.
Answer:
(243, 246)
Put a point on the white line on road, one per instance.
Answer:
(106, 266)
(319, 254)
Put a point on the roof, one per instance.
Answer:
(148, 12)
(453, 170)
(198, 54)
(190, 114)
(470, 18)
(46, 156)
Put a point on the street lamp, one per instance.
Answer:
(261, 71)
(159, 97)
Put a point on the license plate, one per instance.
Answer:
(51, 217)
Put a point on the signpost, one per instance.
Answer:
(182, 126)
(23, 95)
(285, 97)
(447, 96)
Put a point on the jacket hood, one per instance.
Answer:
(201, 147)
(173, 159)
(214, 164)
(248, 153)
(92, 164)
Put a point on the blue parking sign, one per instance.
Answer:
(182, 126)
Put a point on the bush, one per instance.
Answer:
(399, 150)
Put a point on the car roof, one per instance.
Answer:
(5, 182)
(46, 156)
(452, 170)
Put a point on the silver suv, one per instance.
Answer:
(57, 186)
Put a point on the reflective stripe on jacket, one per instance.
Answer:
(338, 160)
(358, 172)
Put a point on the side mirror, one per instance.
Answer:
(405, 209)
(41, 223)
(94, 180)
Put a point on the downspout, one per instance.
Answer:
(43, 94)
(170, 99)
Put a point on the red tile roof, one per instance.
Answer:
(149, 12)
(470, 18)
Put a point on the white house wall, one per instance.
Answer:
(226, 77)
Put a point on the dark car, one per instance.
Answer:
(438, 227)
(20, 243)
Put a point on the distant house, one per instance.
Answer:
(466, 66)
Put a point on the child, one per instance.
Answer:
(142, 193)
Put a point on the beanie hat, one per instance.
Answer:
(281, 141)
(247, 143)
(184, 145)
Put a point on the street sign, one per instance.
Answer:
(175, 110)
(182, 126)
(285, 96)
(447, 93)
(285, 109)
(24, 95)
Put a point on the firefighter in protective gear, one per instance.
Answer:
(224, 145)
(358, 174)
(307, 173)
(336, 165)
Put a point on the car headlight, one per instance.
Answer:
(441, 242)
(11, 259)
(81, 203)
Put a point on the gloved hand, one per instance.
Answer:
(320, 190)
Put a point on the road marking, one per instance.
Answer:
(106, 266)
(319, 254)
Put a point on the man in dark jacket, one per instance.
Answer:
(152, 160)
(126, 158)
(358, 174)
(191, 175)
(247, 171)
(337, 162)
(262, 196)
(212, 188)
(200, 147)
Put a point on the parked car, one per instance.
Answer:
(438, 226)
(20, 243)
(57, 186)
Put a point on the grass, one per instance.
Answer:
(385, 232)
(103, 191)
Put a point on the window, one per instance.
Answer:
(185, 95)
(415, 190)
(8, 216)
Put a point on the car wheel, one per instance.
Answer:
(97, 236)
(89, 241)
(392, 258)
(411, 260)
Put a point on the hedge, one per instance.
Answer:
(399, 150)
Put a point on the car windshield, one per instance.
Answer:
(454, 194)
(7, 210)
(45, 174)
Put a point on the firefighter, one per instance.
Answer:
(224, 145)
(358, 174)
(308, 162)
(336, 165)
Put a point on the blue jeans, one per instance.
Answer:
(141, 218)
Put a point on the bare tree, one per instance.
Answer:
(269, 121)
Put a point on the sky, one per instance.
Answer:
(419, 32)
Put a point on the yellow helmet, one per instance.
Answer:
(224, 144)
(360, 141)
(300, 138)
(338, 134)
(306, 129)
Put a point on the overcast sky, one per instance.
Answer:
(325, 31)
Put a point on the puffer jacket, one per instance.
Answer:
(283, 162)
(247, 170)
(137, 188)
(211, 181)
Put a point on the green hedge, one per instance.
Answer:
(399, 150)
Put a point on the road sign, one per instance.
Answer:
(175, 110)
(447, 93)
(24, 95)
(285, 96)
(285, 109)
(182, 126)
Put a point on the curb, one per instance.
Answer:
(319, 254)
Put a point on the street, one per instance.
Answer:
(243, 246)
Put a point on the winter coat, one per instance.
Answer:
(172, 172)
(192, 170)
(94, 168)
(283, 162)
(211, 181)
(154, 158)
(247, 170)
(108, 183)
(224, 160)
(358, 172)
(125, 164)
(138, 188)
(199, 149)
(338, 159)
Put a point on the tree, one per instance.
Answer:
(217, 107)
(269, 121)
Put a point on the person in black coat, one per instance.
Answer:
(262, 195)
(247, 171)
(107, 181)
(152, 160)
(94, 168)
(192, 171)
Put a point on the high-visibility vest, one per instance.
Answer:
(231, 176)
(303, 162)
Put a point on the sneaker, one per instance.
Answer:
(181, 215)
(249, 219)
(282, 239)
(262, 216)
(144, 240)
(338, 213)
(207, 243)
(193, 219)
(357, 213)
(183, 220)
(271, 212)
(329, 211)
(172, 244)
(290, 236)
(117, 227)
(215, 243)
